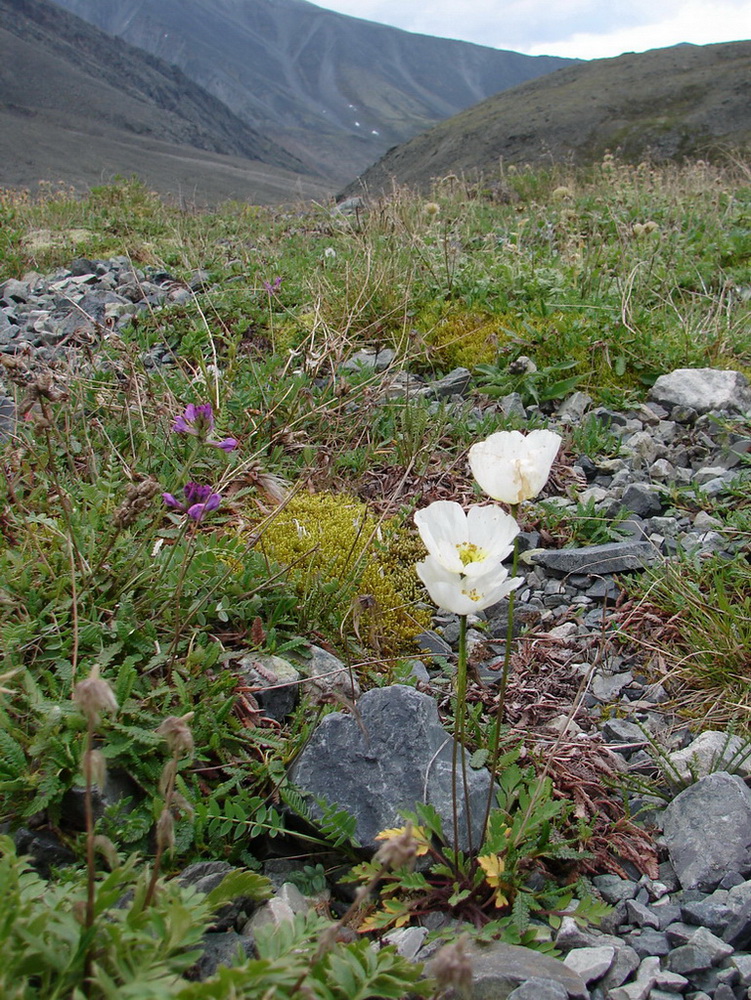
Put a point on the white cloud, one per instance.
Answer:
(585, 29)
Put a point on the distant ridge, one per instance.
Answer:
(79, 106)
(336, 91)
(683, 101)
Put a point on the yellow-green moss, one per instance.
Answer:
(342, 559)
(462, 338)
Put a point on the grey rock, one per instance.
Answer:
(673, 981)
(641, 500)
(455, 383)
(609, 418)
(713, 751)
(291, 895)
(199, 281)
(512, 405)
(401, 756)
(613, 888)
(119, 788)
(204, 875)
(643, 449)
(275, 681)
(431, 642)
(623, 732)
(608, 687)
(679, 933)
(571, 935)
(13, 290)
(370, 359)
(712, 912)
(7, 417)
(350, 206)
(329, 680)
(407, 940)
(225, 948)
(44, 848)
(590, 963)
(709, 942)
(649, 942)
(662, 470)
(498, 969)
(689, 958)
(707, 830)
(274, 911)
(703, 389)
(741, 962)
(640, 988)
(738, 929)
(539, 989)
(624, 964)
(724, 992)
(573, 408)
(82, 266)
(640, 915)
(595, 560)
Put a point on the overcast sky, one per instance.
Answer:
(584, 29)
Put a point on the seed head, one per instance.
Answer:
(94, 696)
(176, 732)
(398, 851)
(451, 967)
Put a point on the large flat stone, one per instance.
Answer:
(396, 755)
(703, 389)
(498, 969)
(596, 560)
(707, 829)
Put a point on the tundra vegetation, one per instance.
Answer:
(253, 490)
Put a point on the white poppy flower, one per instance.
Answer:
(469, 543)
(511, 466)
(461, 594)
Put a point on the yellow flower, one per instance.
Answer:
(494, 867)
(422, 840)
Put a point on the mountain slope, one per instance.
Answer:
(667, 103)
(335, 90)
(79, 106)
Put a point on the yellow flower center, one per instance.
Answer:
(469, 553)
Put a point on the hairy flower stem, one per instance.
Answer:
(459, 733)
(504, 682)
(179, 593)
(88, 807)
(161, 843)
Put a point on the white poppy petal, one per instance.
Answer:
(512, 467)
(443, 526)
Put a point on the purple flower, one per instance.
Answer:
(273, 287)
(229, 444)
(197, 420)
(199, 500)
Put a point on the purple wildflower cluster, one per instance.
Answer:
(272, 287)
(199, 501)
(198, 421)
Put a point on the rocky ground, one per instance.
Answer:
(682, 930)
